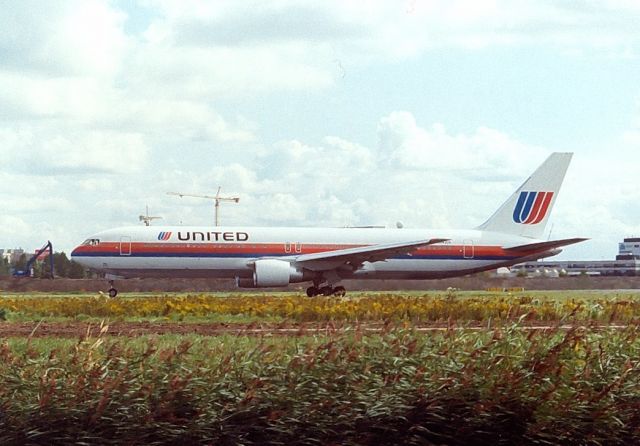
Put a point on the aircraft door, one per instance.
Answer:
(291, 247)
(468, 249)
(125, 246)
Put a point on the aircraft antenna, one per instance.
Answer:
(217, 198)
(146, 218)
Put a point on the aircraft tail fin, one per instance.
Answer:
(527, 211)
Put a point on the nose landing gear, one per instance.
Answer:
(113, 292)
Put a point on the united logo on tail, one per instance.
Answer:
(532, 207)
(164, 236)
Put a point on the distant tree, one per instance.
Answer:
(61, 264)
(21, 263)
(4, 267)
(37, 269)
(75, 271)
(42, 268)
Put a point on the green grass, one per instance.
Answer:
(501, 386)
(244, 319)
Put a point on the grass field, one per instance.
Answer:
(504, 384)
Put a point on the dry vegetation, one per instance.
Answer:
(503, 385)
(415, 308)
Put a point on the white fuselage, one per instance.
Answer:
(229, 252)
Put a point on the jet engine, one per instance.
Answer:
(271, 273)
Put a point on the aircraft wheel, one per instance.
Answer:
(339, 291)
(312, 291)
(113, 292)
(326, 291)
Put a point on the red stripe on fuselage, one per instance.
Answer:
(261, 249)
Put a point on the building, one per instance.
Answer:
(11, 255)
(627, 263)
(629, 249)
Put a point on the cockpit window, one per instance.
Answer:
(91, 242)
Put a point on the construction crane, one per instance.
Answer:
(147, 219)
(217, 198)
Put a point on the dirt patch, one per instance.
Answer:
(477, 282)
(134, 329)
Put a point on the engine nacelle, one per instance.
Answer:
(271, 273)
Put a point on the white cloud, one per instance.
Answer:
(12, 228)
(340, 183)
(487, 152)
(335, 183)
(285, 205)
(101, 151)
(245, 48)
(201, 50)
(41, 97)
(93, 37)
(178, 120)
(219, 72)
(243, 178)
(368, 30)
(599, 198)
(44, 150)
(77, 37)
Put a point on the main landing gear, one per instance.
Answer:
(327, 290)
(112, 291)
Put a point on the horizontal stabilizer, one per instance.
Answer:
(546, 245)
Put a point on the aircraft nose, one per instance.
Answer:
(76, 255)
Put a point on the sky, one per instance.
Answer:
(324, 113)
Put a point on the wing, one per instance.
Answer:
(546, 245)
(357, 256)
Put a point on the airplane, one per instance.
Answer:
(260, 257)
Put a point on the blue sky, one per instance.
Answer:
(325, 113)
